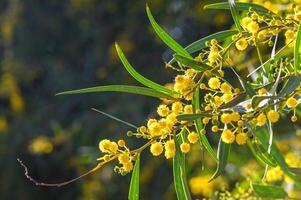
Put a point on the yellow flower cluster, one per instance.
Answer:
(218, 109)
(118, 150)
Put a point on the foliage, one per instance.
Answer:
(218, 100)
(184, 120)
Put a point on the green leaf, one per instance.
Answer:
(198, 125)
(239, 6)
(196, 65)
(201, 43)
(290, 86)
(263, 136)
(234, 13)
(258, 98)
(296, 50)
(192, 117)
(120, 88)
(264, 158)
(179, 170)
(169, 41)
(275, 86)
(295, 170)
(115, 118)
(223, 152)
(139, 77)
(245, 85)
(268, 191)
(134, 185)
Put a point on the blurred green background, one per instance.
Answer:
(52, 46)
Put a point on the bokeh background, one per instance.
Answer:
(52, 46)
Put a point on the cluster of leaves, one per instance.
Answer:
(247, 115)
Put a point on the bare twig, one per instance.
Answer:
(37, 183)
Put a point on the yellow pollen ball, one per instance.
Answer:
(170, 149)
(171, 118)
(273, 116)
(261, 120)
(241, 44)
(228, 136)
(202, 86)
(156, 148)
(240, 123)
(290, 35)
(245, 21)
(155, 129)
(226, 118)
(113, 147)
(218, 101)
(142, 129)
(192, 137)
(214, 129)
(262, 34)
(262, 91)
(190, 73)
(213, 42)
(294, 118)
(106, 146)
(123, 158)
(227, 97)
(150, 122)
(241, 138)
(235, 116)
(185, 147)
(225, 88)
(214, 83)
(177, 107)
(163, 110)
(291, 102)
(128, 166)
(188, 109)
(121, 143)
(205, 120)
(253, 27)
(213, 56)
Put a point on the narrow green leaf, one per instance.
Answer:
(198, 125)
(192, 117)
(201, 43)
(134, 185)
(268, 191)
(223, 152)
(295, 170)
(258, 98)
(260, 156)
(179, 171)
(263, 136)
(290, 86)
(115, 118)
(297, 49)
(120, 88)
(239, 6)
(139, 77)
(190, 62)
(235, 14)
(275, 86)
(246, 86)
(169, 41)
